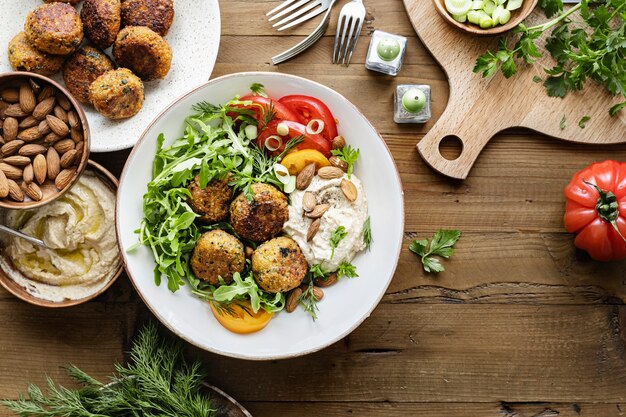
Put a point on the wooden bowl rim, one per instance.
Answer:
(519, 16)
(19, 291)
(8, 77)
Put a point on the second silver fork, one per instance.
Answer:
(348, 31)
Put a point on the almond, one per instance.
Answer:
(72, 119)
(63, 101)
(17, 160)
(46, 92)
(40, 168)
(339, 163)
(304, 178)
(4, 185)
(313, 228)
(79, 149)
(30, 121)
(318, 293)
(53, 162)
(57, 125)
(44, 129)
(10, 95)
(349, 190)
(308, 201)
(14, 110)
(63, 179)
(31, 149)
(329, 173)
(11, 147)
(77, 135)
(64, 145)
(327, 281)
(318, 211)
(68, 158)
(27, 98)
(2, 142)
(36, 88)
(3, 108)
(60, 113)
(29, 135)
(44, 108)
(11, 172)
(53, 137)
(1, 121)
(28, 175)
(292, 300)
(339, 142)
(14, 191)
(10, 129)
(32, 190)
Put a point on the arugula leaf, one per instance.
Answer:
(441, 244)
(336, 237)
(582, 121)
(349, 155)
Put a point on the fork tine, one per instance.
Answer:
(303, 18)
(336, 43)
(290, 9)
(348, 55)
(280, 6)
(345, 24)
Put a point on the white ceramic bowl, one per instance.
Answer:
(345, 305)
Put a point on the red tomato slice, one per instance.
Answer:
(307, 108)
(317, 142)
(262, 105)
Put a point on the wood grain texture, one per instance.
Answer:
(481, 107)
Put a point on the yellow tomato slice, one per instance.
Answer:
(238, 317)
(297, 160)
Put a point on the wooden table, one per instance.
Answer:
(519, 324)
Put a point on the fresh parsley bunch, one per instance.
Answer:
(442, 244)
(590, 46)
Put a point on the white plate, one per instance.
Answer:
(194, 38)
(345, 305)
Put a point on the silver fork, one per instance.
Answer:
(308, 41)
(294, 9)
(350, 22)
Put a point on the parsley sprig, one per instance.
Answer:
(441, 244)
(590, 46)
(335, 238)
(349, 155)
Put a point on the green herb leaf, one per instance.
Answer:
(335, 238)
(349, 155)
(562, 123)
(367, 233)
(346, 269)
(441, 244)
(582, 121)
(258, 90)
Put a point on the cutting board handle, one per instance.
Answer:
(450, 124)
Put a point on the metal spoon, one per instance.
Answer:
(30, 239)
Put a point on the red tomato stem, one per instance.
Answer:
(607, 207)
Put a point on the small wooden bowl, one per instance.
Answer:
(517, 16)
(21, 293)
(50, 192)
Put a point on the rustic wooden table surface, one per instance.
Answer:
(519, 324)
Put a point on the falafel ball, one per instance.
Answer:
(101, 21)
(279, 265)
(82, 69)
(54, 28)
(155, 14)
(217, 254)
(263, 217)
(23, 57)
(143, 51)
(212, 202)
(62, 1)
(117, 94)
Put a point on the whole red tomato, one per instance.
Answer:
(596, 210)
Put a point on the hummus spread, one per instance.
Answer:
(79, 227)
(342, 212)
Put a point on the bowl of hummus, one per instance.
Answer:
(82, 259)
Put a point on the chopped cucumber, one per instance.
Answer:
(461, 18)
(458, 7)
(514, 4)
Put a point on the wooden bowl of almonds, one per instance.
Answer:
(44, 140)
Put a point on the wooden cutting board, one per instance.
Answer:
(479, 108)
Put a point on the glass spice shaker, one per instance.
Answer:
(385, 53)
(412, 103)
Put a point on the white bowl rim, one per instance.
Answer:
(122, 179)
